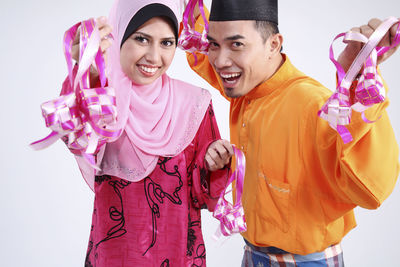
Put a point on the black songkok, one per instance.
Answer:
(228, 10)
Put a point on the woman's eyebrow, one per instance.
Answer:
(144, 34)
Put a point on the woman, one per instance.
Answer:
(157, 176)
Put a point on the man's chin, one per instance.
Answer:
(231, 92)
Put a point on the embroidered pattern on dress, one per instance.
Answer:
(191, 238)
(115, 168)
(116, 215)
(155, 194)
(165, 263)
(200, 258)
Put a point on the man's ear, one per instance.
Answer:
(276, 42)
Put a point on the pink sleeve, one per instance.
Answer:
(207, 186)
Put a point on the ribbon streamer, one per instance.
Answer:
(231, 217)
(369, 90)
(81, 116)
(190, 40)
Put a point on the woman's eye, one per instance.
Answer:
(141, 39)
(167, 43)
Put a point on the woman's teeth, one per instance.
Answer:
(149, 70)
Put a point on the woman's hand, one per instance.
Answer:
(105, 35)
(106, 41)
(218, 155)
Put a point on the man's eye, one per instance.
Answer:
(237, 44)
(213, 45)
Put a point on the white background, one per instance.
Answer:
(46, 207)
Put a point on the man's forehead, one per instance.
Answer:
(224, 29)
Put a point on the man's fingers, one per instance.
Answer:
(366, 30)
(374, 24)
(393, 31)
(350, 52)
(354, 45)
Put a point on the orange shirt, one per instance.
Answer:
(302, 183)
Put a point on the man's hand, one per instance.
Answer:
(196, 12)
(218, 155)
(348, 55)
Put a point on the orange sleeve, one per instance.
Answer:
(364, 171)
(203, 67)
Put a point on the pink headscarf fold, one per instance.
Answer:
(159, 119)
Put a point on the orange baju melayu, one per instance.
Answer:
(302, 183)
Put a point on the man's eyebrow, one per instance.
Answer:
(230, 38)
(234, 37)
(209, 38)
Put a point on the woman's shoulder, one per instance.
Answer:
(188, 87)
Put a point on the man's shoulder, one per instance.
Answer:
(307, 88)
(300, 83)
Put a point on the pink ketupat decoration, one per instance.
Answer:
(231, 217)
(190, 40)
(369, 90)
(83, 114)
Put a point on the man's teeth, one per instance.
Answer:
(232, 75)
(228, 81)
(150, 70)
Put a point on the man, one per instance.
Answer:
(302, 182)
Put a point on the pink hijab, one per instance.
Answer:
(159, 119)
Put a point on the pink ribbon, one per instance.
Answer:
(82, 115)
(369, 90)
(231, 217)
(190, 40)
